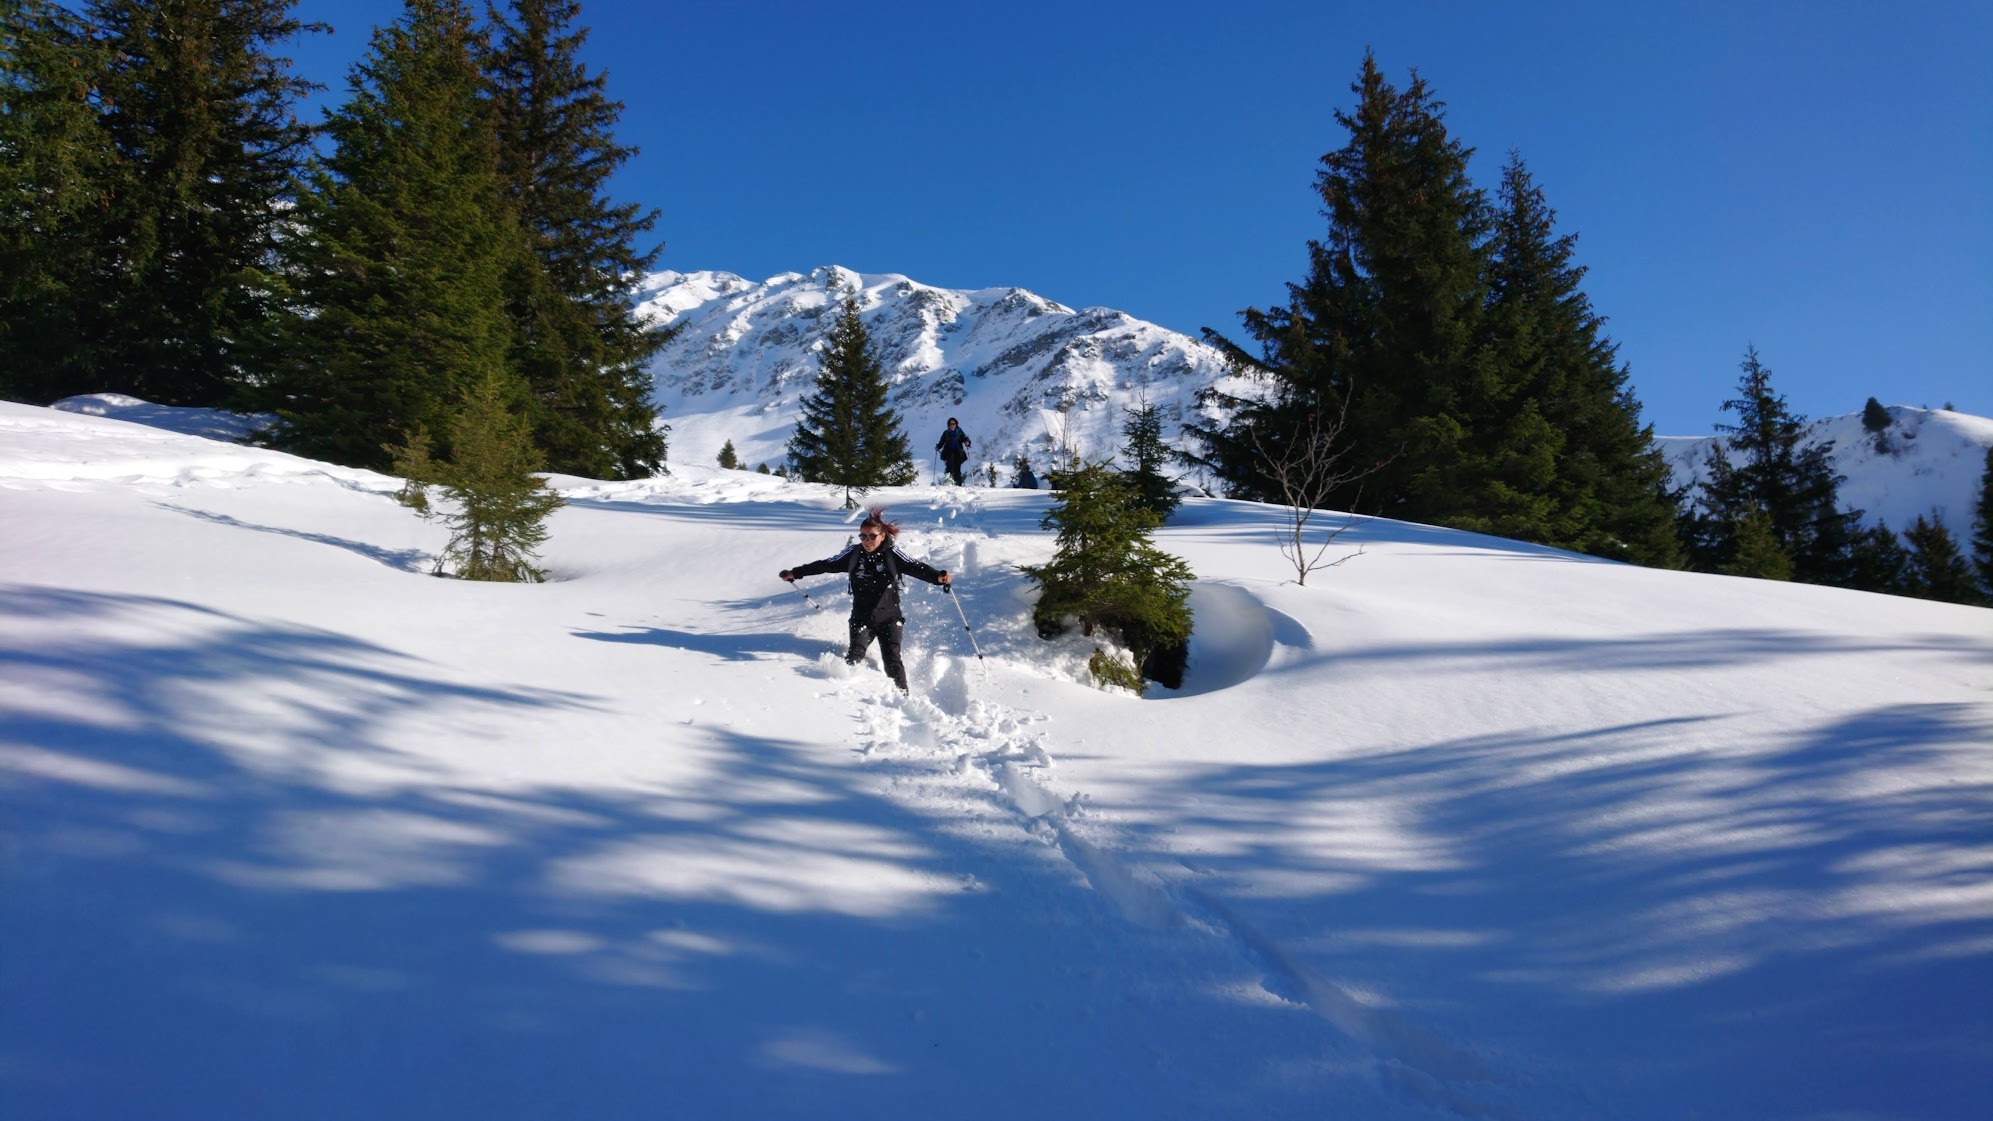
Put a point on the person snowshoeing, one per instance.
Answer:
(954, 449)
(875, 565)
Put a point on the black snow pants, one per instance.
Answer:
(888, 632)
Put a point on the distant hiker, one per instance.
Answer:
(1025, 479)
(875, 565)
(954, 449)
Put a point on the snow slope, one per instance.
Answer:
(1023, 374)
(1463, 828)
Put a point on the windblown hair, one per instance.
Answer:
(878, 518)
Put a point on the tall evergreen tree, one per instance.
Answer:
(1382, 330)
(1770, 467)
(1937, 570)
(1880, 563)
(54, 164)
(403, 248)
(1982, 529)
(580, 344)
(1149, 455)
(200, 149)
(849, 435)
(1556, 452)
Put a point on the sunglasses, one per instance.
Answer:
(870, 536)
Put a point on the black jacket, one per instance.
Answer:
(953, 445)
(875, 583)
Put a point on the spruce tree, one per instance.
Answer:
(1880, 563)
(1982, 529)
(728, 457)
(497, 509)
(1757, 553)
(1770, 467)
(1875, 420)
(848, 434)
(1145, 449)
(401, 253)
(54, 164)
(1555, 452)
(201, 115)
(1382, 330)
(167, 276)
(572, 296)
(1937, 570)
(1107, 573)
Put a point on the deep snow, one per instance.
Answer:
(1462, 828)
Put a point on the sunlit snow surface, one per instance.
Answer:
(1461, 828)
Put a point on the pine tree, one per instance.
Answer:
(1880, 563)
(1757, 553)
(728, 457)
(1382, 330)
(403, 246)
(498, 509)
(54, 164)
(168, 276)
(1107, 573)
(1875, 420)
(1556, 452)
(1982, 529)
(1154, 490)
(1777, 472)
(1937, 570)
(580, 343)
(848, 435)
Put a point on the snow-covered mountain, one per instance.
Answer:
(1927, 460)
(1023, 374)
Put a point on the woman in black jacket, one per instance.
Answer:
(875, 565)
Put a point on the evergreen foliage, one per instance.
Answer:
(1383, 327)
(403, 246)
(1875, 420)
(571, 295)
(1937, 570)
(497, 509)
(1145, 449)
(1107, 573)
(1555, 452)
(728, 457)
(1982, 529)
(848, 434)
(1880, 563)
(1778, 474)
(1757, 552)
(151, 178)
(1473, 382)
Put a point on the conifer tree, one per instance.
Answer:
(1107, 573)
(1880, 563)
(403, 246)
(728, 457)
(1875, 420)
(1555, 451)
(1382, 330)
(1937, 570)
(54, 163)
(1145, 449)
(170, 280)
(1777, 472)
(1757, 553)
(579, 342)
(497, 509)
(848, 434)
(1982, 529)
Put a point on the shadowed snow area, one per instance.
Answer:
(1464, 828)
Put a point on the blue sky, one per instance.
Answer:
(1812, 178)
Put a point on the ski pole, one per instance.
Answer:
(799, 590)
(949, 590)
